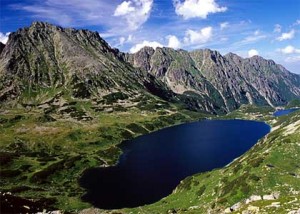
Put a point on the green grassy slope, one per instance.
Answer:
(270, 167)
(43, 155)
(45, 148)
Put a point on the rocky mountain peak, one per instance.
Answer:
(260, 60)
(46, 31)
(236, 80)
(50, 57)
(141, 58)
(146, 49)
(44, 56)
(234, 58)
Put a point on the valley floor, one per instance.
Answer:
(43, 155)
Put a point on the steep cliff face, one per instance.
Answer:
(226, 78)
(230, 80)
(276, 84)
(176, 69)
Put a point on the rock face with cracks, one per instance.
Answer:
(230, 80)
(45, 57)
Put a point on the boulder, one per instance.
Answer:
(276, 195)
(294, 211)
(236, 206)
(227, 210)
(274, 204)
(253, 198)
(268, 197)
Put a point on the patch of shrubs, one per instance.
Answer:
(9, 173)
(186, 184)
(114, 97)
(256, 162)
(237, 168)
(41, 176)
(46, 118)
(222, 200)
(201, 190)
(237, 183)
(137, 128)
(6, 158)
(254, 177)
(81, 91)
(149, 126)
(111, 154)
(125, 134)
(119, 108)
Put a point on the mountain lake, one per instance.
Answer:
(152, 165)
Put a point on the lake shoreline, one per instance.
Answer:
(161, 161)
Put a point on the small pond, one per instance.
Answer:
(282, 112)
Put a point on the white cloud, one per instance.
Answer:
(197, 8)
(297, 22)
(254, 37)
(224, 25)
(139, 46)
(124, 8)
(116, 17)
(293, 59)
(289, 50)
(286, 36)
(129, 38)
(198, 37)
(69, 13)
(4, 37)
(257, 33)
(173, 42)
(252, 53)
(122, 40)
(135, 12)
(277, 28)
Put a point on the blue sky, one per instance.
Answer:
(269, 28)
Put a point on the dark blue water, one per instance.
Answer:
(282, 112)
(153, 165)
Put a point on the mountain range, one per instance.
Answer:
(44, 60)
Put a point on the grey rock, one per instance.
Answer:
(44, 56)
(253, 198)
(79, 62)
(230, 79)
(236, 206)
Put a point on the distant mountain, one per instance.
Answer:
(228, 80)
(44, 60)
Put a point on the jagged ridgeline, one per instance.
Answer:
(44, 61)
(45, 58)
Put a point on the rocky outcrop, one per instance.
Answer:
(276, 84)
(254, 198)
(294, 211)
(230, 79)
